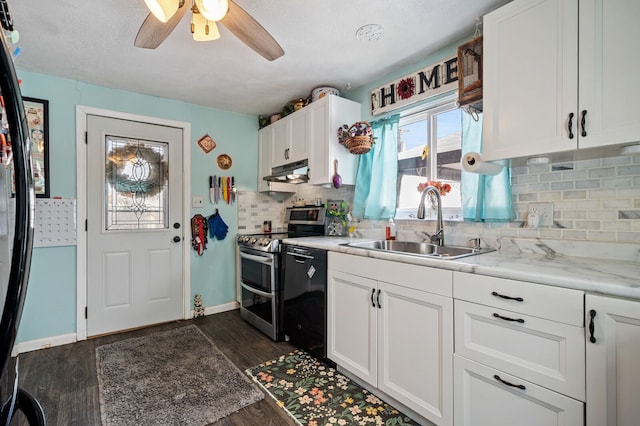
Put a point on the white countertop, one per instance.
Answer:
(596, 275)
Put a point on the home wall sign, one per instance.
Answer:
(422, 84)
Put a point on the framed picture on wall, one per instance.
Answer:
(37, 112)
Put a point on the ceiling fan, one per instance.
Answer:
(164, 17)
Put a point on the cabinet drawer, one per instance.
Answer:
(481, 398)
(544, 352)
(539, 300)
(422, 278)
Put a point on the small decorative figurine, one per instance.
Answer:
(198, 310)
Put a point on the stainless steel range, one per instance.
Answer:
(260, 281)
(261, 265)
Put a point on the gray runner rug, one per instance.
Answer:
(175, 377)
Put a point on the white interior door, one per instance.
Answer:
(134, 224)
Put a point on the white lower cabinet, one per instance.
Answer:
(485, 396)
(396, 336)
(613, 360)
(519, 353)
(548, 353)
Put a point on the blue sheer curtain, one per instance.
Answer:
(484, 198)
(376, 181)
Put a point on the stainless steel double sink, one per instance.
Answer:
(419, 249)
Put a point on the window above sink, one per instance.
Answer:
(436, 126)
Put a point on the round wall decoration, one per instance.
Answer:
(224, 161)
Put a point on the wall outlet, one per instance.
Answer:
(197, 202)
(544, 212)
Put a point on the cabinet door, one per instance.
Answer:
(264, 157)
(609, 89)
(324, 118)
(613, 376)
(531, 78)
(485, 396)
(351, 324)
(415, 336)
(297, 136)
(319, 139)
(280, 143)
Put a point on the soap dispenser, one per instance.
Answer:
(391, 229)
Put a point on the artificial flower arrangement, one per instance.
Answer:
(360, 128)
(357, 138)
(442, 187)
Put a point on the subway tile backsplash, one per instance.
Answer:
(593, 200)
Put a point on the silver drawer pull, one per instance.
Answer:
(502, 296)
(520, 320)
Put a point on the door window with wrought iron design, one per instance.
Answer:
(137, 184)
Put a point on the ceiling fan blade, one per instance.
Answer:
(152, 32)
(247, 29)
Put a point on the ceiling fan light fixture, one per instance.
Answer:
(163, 10)
(203, 29)
(213, 10)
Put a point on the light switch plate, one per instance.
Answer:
(544, 211)
(197, 202)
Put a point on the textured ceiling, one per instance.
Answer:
(92, 41)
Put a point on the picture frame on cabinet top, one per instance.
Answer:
(470, 72)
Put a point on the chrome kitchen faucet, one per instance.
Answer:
(438, 237)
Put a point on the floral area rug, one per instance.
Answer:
(315, 394)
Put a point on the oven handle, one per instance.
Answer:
(256, 291)
(260, 259)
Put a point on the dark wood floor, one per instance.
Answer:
(64, 378)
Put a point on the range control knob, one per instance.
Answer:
(264, 241)
(253, 240)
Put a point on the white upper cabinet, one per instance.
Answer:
(290, 141)
(609, 60)
(265, 147)
(312, 134)
(325, 116)
(559, 77)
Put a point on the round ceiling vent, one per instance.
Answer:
(370, 32)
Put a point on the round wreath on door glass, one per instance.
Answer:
(136, 169)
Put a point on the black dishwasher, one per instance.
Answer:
(304, 288)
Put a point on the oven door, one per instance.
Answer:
(258, 270)
(261, 310)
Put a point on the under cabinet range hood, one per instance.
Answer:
(297, 172)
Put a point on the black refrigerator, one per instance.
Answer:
(16, 232)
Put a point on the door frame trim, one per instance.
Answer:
(81, 215)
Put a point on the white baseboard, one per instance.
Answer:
(49, 342)
(44, 343)
(210, 310)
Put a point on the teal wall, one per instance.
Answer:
(50, 307)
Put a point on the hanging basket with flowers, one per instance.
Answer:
(357, 138)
